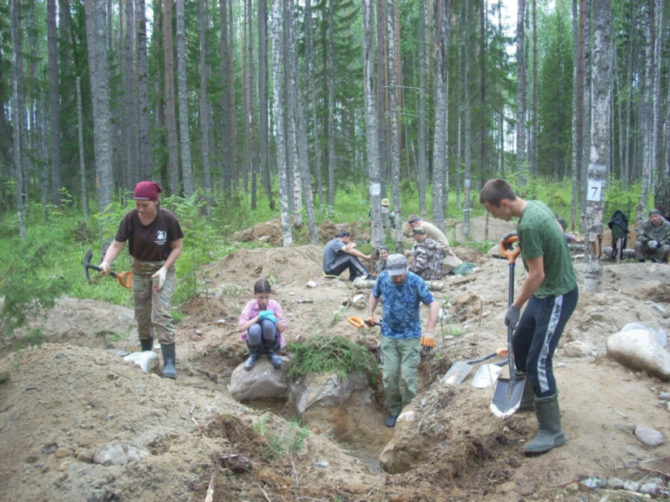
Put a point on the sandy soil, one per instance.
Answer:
(70, 399)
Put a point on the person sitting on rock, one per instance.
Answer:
(383, 254)
(262, 325)
(451, 261)
(653, 240)
(341, 254)
(427, 254)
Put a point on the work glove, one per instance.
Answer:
(104, 268)
(652, 244)
(512, 316)
(428, 341)
(160, 276)
(370, 321)
(267, 314)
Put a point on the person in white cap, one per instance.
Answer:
(401, 340)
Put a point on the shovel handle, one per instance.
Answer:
(507, 246)
(124, 278)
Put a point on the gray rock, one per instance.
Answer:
(118, 453)
(659, 334)
(594, 483)
(664, 396)
(650, 487)
(324, 389)
(631, 486)
(661, 310)
(648, 436)
(263, 381)
(615, 483)
(639, 350)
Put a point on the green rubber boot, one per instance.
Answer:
(549, 434)
(169, 367)
(528, 397)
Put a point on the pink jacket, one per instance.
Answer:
(251, 310)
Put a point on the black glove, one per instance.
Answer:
(512, 316)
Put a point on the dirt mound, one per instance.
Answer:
(72, 401)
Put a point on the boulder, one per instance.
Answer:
(638, 349)
(324, 389)
(263, 381)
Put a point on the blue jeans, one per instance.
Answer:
(262, 337)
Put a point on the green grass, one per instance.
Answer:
(330, 354)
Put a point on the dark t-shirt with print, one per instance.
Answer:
(149, 242)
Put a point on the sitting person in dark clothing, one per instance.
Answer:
(341, 254)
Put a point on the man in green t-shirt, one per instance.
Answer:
(550, 288)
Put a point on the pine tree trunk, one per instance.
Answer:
(184, 135)
(82, 163)
(263, 131)
(55, 136)
(226, 137)
(330, 89)
(96, 36)
(468, 128)
(204, 112)
(600, 142)
(422, 167)
(171, 120)
(144, 143)
(394, 150)
(521, 89)
(18, 109)
(441, 128)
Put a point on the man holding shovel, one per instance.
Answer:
(401, 339)
(154, 238)
(550, 288)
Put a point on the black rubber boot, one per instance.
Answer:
(549, 434)
(147, 344)
(169, 367)
(528, 397)
(251, 360)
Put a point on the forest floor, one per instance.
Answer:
(72, 399)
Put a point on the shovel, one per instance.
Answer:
(509, 391)
(461, 369)
(487, 374)
(124, 278)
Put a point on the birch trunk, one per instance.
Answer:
(371, 142)
(468, 129)
(279, 114)
(600, 143)
(204, 112)
(394, 150)
(82, 162)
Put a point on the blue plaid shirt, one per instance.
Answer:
(401, 305)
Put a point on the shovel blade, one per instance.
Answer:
(486, 376)
(507, 396)
(457, 373)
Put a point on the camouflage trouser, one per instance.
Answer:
(400, 360)
(152, 308)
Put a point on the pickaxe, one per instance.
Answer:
(124, 278)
